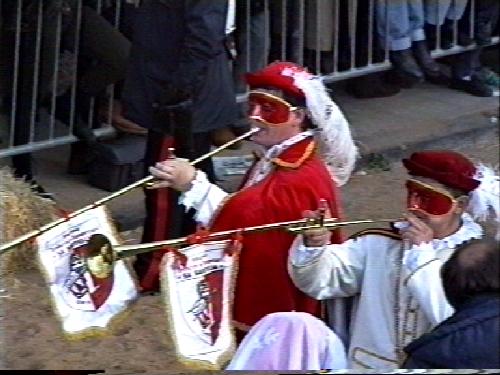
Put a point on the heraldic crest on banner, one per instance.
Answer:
(198, 295)
(88, 286)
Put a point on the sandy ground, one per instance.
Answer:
(33, 338)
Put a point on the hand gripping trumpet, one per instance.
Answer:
(147, 181)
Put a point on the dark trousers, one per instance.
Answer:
(486, 19)
(466, 63)
(165, 217)
(100, 64)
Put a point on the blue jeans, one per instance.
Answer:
(437, 10)
(406, 23)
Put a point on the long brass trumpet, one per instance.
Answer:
(145, 181)
(101, 254)
(295, 227)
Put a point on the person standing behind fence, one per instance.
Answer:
(444, 13)
(178, 55)
(106, 66)
(470, 337)
(468, 72)
(404, 22)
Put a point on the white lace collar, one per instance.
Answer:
(265, 166)
(276, 150)
(468, 230)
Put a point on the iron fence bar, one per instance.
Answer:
(267, 27)
(111, 88)
(90, 115)
(59, 141)
(284, 29)
(55, 77)
(438, 30)
(36, 71)
(455, 23)
(380, 67)
(386, 42)
(352, 12)
(371, 16)
(317, 55)
(301, 32)
(15, 81)
(336, 35)
(471, 19)
(248, 35)
(75, 67)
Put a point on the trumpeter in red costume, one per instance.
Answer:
(308, 152)
(394, 275)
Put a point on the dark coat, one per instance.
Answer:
(469, 339)
(180, 44)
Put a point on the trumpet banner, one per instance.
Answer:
(198, 296)
(86, 302)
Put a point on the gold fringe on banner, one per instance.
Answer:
(116, 322)
(191, 364)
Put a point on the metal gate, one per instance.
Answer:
(52, 92)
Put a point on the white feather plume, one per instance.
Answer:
(485, 199)
(336, 145)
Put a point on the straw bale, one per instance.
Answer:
(21, 211)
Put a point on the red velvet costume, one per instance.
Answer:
(297, 184)
(292, 179)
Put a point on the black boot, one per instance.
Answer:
(472, 86)
(405, 65)
(424, 58)
(431, 69)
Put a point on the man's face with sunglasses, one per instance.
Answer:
(277, 119)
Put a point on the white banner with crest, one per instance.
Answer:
(87, 286)
(198, 297)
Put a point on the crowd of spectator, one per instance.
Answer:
(325, 36)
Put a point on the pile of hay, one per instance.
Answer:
(21, 211)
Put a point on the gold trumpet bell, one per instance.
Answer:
(100, 256)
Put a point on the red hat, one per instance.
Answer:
(273, 76)
(336, 146)
(446, 167)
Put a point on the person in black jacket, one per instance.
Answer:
(179, 57)
(470, 337)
